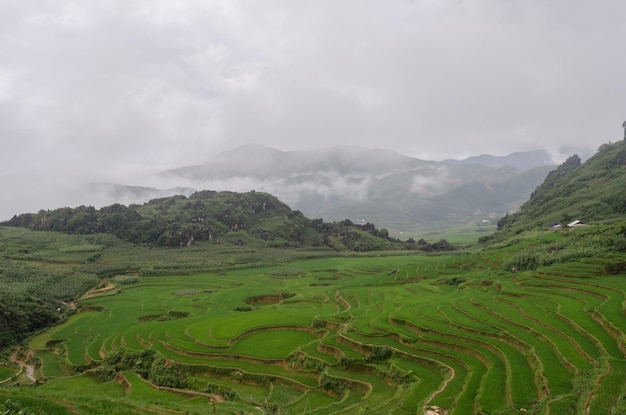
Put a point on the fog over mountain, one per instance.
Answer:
(335, 183)
(118, 91)
(378, 186)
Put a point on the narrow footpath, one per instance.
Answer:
(28, 369)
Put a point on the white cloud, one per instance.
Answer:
(162, 83)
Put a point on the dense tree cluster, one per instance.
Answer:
(422, 245)
(233, 217)
(148, 364)
(21, 315)
(32, 299)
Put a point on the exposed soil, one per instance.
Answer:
(264, 299)
(22, 359)
(434, 410)
(96, 292)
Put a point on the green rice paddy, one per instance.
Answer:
(378, 335)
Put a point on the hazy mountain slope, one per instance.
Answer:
(133, 194)
(401, 201)
(481, 199)
(519, 160)
(378, 186)
(262, 162)
(589, 191)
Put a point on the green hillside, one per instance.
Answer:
(593, 191)
(225, 217)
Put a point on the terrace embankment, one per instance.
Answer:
(122, 380)
(329, 350)
(248, 378)
(268, 298)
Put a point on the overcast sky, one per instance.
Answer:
(98, 90)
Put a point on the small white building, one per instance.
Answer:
(576, 223)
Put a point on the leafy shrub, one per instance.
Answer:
(615, 268)
(167, 374)
(380, 353)
(455, 281)
(318, 323)
(333, 384)
(228, 393)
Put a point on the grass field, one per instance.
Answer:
(7, 372)
(345, 335)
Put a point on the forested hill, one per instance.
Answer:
(227, 217)
(592, 191)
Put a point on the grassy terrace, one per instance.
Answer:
(380, 335)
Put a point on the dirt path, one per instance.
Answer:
(97, 292)
(443, 386)
(28, 369)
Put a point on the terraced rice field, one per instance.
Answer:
(388, 335)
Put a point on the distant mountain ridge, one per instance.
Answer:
(262, 162)
(378, 186)
(522, 160)
(519, 160)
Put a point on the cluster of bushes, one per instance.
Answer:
(455, 281)
(380, 353)
(422, 245)
(228, 393)
(148, 364)
(333, 384)
(307, 363)
(399, 376)
(318, 323)
(345, 235)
